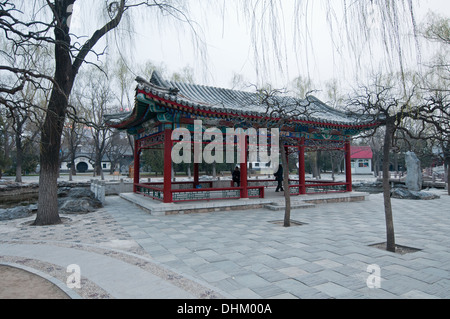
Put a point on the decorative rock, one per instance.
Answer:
(403, 193)
(414, 172)
(79, 200)
(369, 187)
(16, 212)
(76, 206)
(80, 192)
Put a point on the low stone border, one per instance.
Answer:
(56, 275)
(92, 291)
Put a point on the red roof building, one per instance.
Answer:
(361, 157)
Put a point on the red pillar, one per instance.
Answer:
(348, 166)
(137, 155)
(244, 176)
(167, 189)
(301, 167)
(196, 182)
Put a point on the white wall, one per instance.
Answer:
(105, 165)
(361, 166)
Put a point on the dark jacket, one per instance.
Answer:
(279, 174)
(236, 176)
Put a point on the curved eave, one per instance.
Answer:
(140, 114)
(204, 110)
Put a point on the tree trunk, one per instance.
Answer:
(73, 168)
(19, 155)
(376, 165)
(48, 196)
(70, 175)
(448, 180)
(448, 177)
(49, 156)
(390, 235)
(314, 165)
(287, 192)
(52, 130)
(48, 179)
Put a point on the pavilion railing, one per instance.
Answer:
(319, 188)
(197, 194)
(150, 191)
(181, 185)
(188, 191)
(184, 195)
(311, 186)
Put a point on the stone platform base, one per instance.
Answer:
(158, 208)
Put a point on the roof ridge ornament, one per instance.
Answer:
(158, 84)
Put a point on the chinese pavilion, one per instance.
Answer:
(162, 106)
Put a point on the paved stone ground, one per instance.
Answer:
(112, 264)
(245, 255)
(241, 254)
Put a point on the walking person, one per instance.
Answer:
(279, 178)
(237, 176)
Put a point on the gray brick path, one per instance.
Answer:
(242, 254)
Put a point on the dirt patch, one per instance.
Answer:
(64, 220)
(402, 250)
(16, 283)
(293, 222)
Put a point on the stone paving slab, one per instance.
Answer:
(241, 254)
(112, 264)
(325, 258)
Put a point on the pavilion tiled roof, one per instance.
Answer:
(240, 103)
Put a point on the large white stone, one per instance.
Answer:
(414, 172)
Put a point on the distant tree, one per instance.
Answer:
(375, 141)
(116, 149)
(97, 99)
(437, 83)
(5, 161)
(302, 86)
(73, 136)
(186, 75)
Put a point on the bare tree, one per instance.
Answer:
(4, 154)
(96, 99)
(277, 108)
(50, 24)
(398, 111)
(116, 150)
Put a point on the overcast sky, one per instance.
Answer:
(229, 47)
